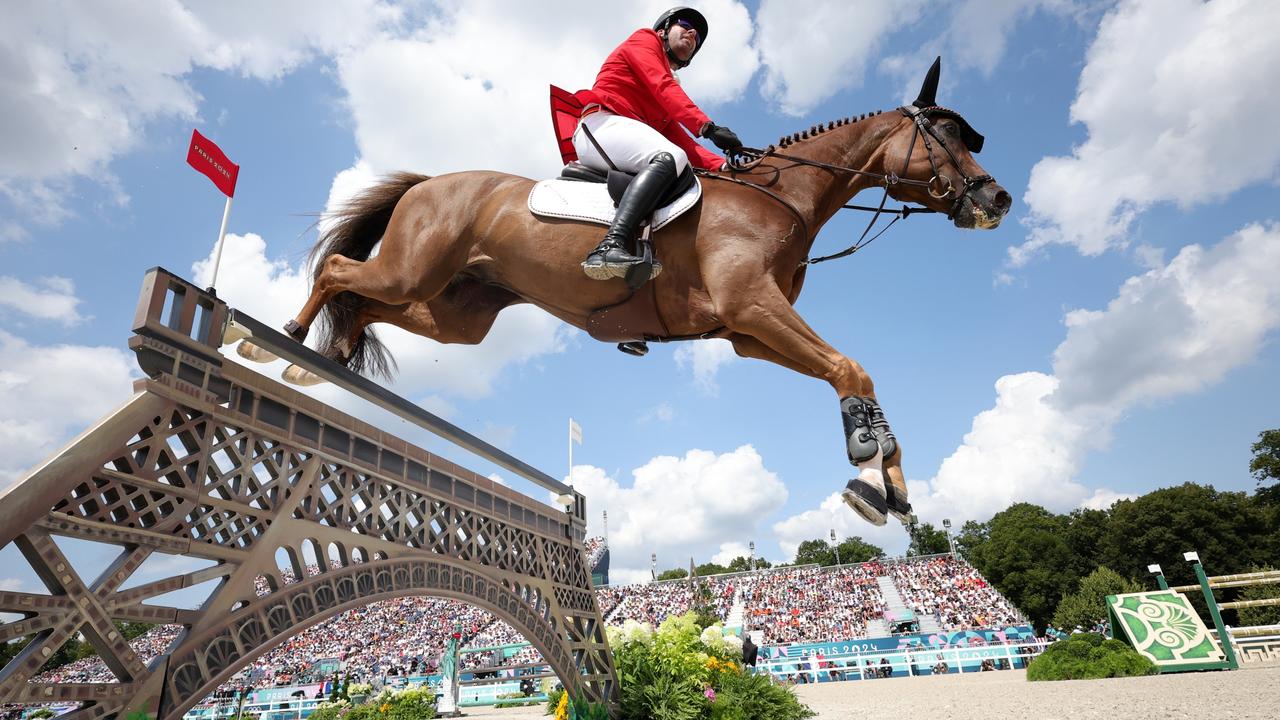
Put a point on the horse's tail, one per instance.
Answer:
(356, 228)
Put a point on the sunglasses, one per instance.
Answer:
(687, 26)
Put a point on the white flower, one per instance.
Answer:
(713, 638)
(733, 644)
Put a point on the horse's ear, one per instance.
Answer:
(929, 90)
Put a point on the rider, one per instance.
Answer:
(637, 115)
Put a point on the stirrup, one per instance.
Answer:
(638, 348)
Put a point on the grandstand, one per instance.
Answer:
(788, 605)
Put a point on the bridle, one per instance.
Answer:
(938, 186)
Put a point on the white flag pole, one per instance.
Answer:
(570, 480)
(217, 253)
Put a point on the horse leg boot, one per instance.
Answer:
(895, 496)
(866, 493)
(610, 259)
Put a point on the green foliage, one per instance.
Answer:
(553, 700)
(1265, 465)
(1085, 656)
(673, 574)
(1265, 614)
(711, 568)
(742, 563)
(1088, 604)
(411, 704)
(928, 540)
(42, 713)
(1022, 550)
(668, 675)
(747, 697)
(1228, 529)
(851, 550)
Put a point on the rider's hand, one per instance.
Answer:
(724, 138)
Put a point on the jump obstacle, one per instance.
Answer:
(1165, 627)
(213, 461)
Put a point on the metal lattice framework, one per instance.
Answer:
(211, 460)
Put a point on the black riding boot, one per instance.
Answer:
(610, 259)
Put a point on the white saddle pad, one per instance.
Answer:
(590, 202)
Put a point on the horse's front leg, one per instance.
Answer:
(766, 326)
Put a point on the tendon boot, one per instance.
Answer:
(881, 430)
(610, 259)
(897, 503)
(866, 493)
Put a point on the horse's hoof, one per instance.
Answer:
(866, 500)
(295, 331)
(295, 375)
(251, 352)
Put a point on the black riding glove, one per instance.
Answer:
(723, 138)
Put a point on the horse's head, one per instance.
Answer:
(933, 150)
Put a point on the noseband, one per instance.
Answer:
(925, 130)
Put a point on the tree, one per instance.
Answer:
(711, 568)
(852, 550)
(815, 551)
(673, 574)
(1228, 529)
(1022, 551)
(856, 550)
(742, 563)
(928, 540)
(1263, 614)
(1085, 530)
(1088, 604)
(1265, 465)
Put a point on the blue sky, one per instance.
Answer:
(1116, 334)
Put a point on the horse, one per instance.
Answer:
(457, 249)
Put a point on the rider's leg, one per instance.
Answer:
(610, 259)
(633, 147)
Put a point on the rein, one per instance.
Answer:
(934, 186)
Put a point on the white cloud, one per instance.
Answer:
(1173, 330)
(49, 393)
(1170, 96)
(729, 551)
(10, 584)
(811, 55)
(82, 81)
(833, 514)
(56, 300)
(705, 357)
(463, 109)
(662, 412)
(1103, 498)
(679, 506)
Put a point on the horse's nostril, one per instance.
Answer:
(1003, 201)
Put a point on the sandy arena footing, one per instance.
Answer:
(1251, 693)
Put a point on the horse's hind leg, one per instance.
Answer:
(421, 252)
(462, 314)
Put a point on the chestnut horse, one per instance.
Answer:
(458, 248)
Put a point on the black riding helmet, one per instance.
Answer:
(694, 18)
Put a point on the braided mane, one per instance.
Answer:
(820, 128)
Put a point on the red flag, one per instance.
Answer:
(209, 159)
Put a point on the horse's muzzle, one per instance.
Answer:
(983, 208)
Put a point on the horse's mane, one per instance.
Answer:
(820, 128)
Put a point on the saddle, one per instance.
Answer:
(584, 194)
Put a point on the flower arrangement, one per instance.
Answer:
(409, 704)
(683, 671)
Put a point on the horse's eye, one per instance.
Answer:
(951, 128)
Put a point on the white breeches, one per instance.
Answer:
(630, 144)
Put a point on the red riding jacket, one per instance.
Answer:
(636, 82)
